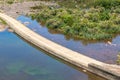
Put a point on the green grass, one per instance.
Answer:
(99, 21)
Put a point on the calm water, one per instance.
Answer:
(103, 51)
(21, 61)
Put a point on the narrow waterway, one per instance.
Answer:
(20, 60)
(102, 51)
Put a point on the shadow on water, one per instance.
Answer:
(91, 76)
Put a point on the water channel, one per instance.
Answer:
(22, 61)
(103, 51)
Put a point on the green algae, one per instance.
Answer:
(15, 68)
(36, 71)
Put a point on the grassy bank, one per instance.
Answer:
(95, 20)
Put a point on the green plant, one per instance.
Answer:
(98, 22)
(10, 1)
(118, 58)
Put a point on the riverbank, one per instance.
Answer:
(21, 8)
(99, 20)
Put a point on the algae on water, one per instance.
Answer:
(15, 68)
(36, 71)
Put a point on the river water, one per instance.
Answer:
(103, 51)
(20, 60)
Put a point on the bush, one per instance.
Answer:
(54, 23)
(108, 4)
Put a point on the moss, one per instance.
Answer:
(36, 71)
(14, 68)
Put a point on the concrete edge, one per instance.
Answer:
(104, 71)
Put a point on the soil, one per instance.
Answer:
(16, 9)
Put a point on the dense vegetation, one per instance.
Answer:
(97, 20)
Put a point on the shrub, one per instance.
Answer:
(10, 1)
(54, 23)
(108, 4)
(118, 59)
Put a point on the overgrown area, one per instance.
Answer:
(90, 20)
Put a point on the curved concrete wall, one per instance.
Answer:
(57, 50)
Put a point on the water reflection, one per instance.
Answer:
(91, 76)
(19, 61)
(102, 51)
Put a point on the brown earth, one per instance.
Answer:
(16, 9)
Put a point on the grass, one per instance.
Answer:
(98, 20)
(2, 21)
